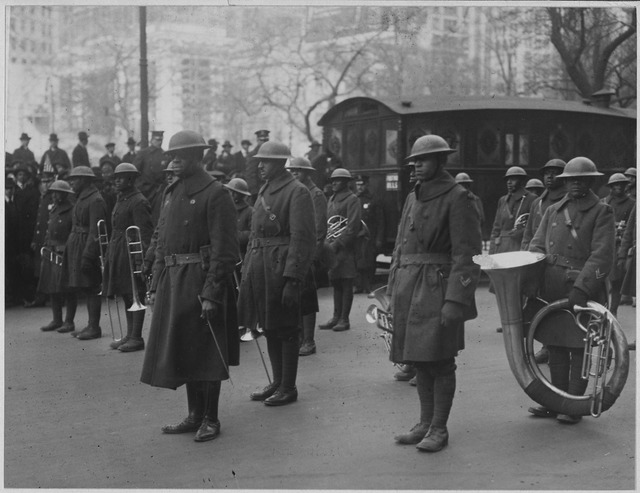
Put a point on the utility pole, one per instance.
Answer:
(144, 85)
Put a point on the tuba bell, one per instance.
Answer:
(606, 351)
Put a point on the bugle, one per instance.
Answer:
(135, 254)
(508, 273)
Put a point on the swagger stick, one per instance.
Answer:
(215, 339)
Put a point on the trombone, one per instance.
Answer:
(135, 254)
(103, 241)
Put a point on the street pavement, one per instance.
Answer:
(77, 416)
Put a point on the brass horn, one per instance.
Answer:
(521, 221)
(135, 254)
(103, 242)
(336, 226)
(508, 273)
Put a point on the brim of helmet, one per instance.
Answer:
(413, 156)
(617, 181)
(553, 166)
(126, 173)
(59, 190)
(191, 146)
(573, 175)
(310, 168)
(464, 181)
(92, 177)
(278, 156)
(236, 190)
(347, 178)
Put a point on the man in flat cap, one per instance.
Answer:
(251, 173)
(150, 162)
(54, 155)
(111, 155)
(130, 156)
(80, 155)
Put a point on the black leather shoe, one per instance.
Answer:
(281, 398)
(208, 430)
(267, 392)
(341, 326)
(568, 420)
(434, 441)
(328, 325)
(118, 343)
(132, 345)
(51, 326)
(66, 327)
(542, 412)
(415, 435)
(188, 424)
(90, 333)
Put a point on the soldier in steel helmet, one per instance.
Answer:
(534, 186)
(302, 171)
(432, 285)
(51, 279)
(251, 172)
(131, 209)
(81, 258)
(343, 206)
(240, 194)
(193, 339)
(577, 236)
(465, 180)
(631, 174)
(622, 205)
(277, 262)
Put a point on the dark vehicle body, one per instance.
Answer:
(373, 137)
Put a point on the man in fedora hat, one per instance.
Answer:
(210, 158)
(23, 154)
(81, 258)
(131, 153)
(111, 155)
(151, 162)
(241, 156)
(80, 155)
(251, 172)
(53, 155)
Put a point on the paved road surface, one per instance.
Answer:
(76, 416)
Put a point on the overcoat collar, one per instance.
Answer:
(553, 195)
(128, 194)
(617, 200)
(582, 204)
(518, 194)
(341, 195)
(196, 182)
(439, 185)
(88, 192)
(241, 206)
(62, 208)
(272, 186)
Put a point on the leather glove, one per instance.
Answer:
(209, 309)
(577, 297)
(291, 293)
(86, 266)
(451, 314)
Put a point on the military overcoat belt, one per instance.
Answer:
(80, 229)
(424, 259)
(560, 261)
(182, 259)
(270, 241)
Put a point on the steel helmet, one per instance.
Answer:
(340, 174)
(534, 183)
(299, 163)
(617, 178)
(60, 186)
(238, 185)
(463, 178)
(515, 171)
(429, 144)
(187, 139)
(631, 172)
(554, 163)
(580, 166)
(273, 149)
(123, 168)
(82, 172)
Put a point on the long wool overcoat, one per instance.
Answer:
(504, 236)
(131, 209)
(345, 204)
(198, 217)
(432, 263)
(281, 246)
(538, 208)
(57, 233)
(584, 262)
(83, 240)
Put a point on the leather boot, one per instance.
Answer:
(287, 392)
(195, 403)
(56, 308)
(135, 342)
(210, 427)
(92, 331)
(268, 391)
(129, 317)
(308, 346)
(347, 301)
(415, 435)
(435, 440)
(274, 348)
(337, 307)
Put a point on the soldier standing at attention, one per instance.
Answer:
(150, 162)
(368, 248)
(251, 173)
(432, 286)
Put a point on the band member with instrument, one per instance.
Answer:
(302, 170)
(81, 259)
(58, 230)
(239, 191)
(622, 205)
(577, 234)
(131, 209)
(432, 285)
(277, 262)
(370, 239)
(194, 336)
(341, 238)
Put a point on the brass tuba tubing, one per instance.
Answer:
(135, 254)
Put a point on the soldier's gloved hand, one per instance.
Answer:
(86, 266)
(209, 309)
(291, 293)
(577, 297)
(451, 314)
(151, 299)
